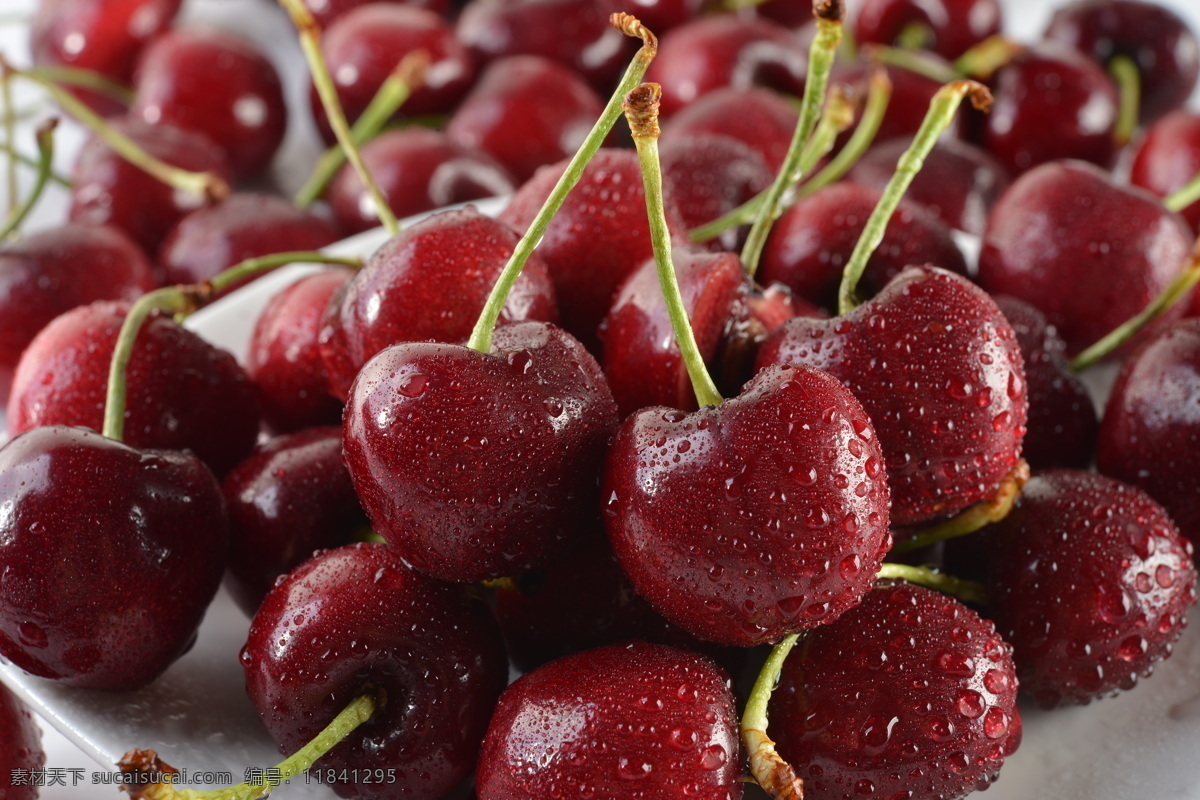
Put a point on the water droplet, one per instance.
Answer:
(940, 729)
(683, 739)
(32, 635)
(956, 664)
(1164, 576)
(713, 757)
(970, 704)
(1002, 421)
(876, 733)
(1132, 648)
(1112, 603)
(995, 723)
(996, 681)
(633, 769)
(413, 384)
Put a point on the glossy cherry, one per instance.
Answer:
(947, 27)
(20, 746)
(358, 620)
(149, 577)
(638, 721)
(1168, 157)
(759, 117)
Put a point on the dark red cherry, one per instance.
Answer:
(758, 517)
(108, 190)
(183, 393)
(958, 182)
(598, 237)
(22, 747)
(52, 271)
(110, 556)
(358, 620)
(326, 11)
(417, 170)
(210, 240)
(217, 84)
(759, 117)
(1091, 582)
(938, 369)
(1165, 51)
(1168, 157)
(1062, 225)
(911, 95)
(811, 243)
(104, 36)
(635, 720)
(423, 417)
(526, 112)
(428, 283)
(910, 694)
(290, 497)
(1051, 102)
(948, 27)
(1150, 434)
(284, 356)
(721, 51)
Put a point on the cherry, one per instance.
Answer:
(184, 393)
(947, 27)
(633, 720)
(1165, 52)
(909, 694)
(507, 115)
(291, 496)
(22, 746)
(284, 356)
(420, 419)
(244, 225)
(1096, 227)
(108, 190)
(50, 272)
(723, 51)
(758, 117)
(149, 576)
(326, 11)
(216, 84)
(1091, 582)
(428, 283)
(417, 170)
(1150, 429)
(357, 620)
(938, 370)
(1168, 157)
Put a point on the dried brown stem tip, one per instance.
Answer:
(641, 109)
(143, 772)
(832, 10)
(774, 775)
(630, 25)
(979, 95)
(412, 67)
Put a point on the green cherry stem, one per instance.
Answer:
(915, 36)
(360, 710)
(485, 326)
(86, 79)
(34, 163)
(879, 95)
(970, 591)
(821, 55)
(985, 512)
(641, 110)
(45, 145)
(310, 43)
(916, 61)
(393, 92)
(1129, 89)
(982, 60)
(941, 112)
(1179, 200)
(770, 771)
(10, 135)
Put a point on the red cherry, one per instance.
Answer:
(952, 26)
(758, 117)
(1168, 157)
(911, 95)
(326, 11)
(22, 749)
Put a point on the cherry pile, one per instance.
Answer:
(658, 412)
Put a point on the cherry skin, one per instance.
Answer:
(108, 190)
(1165, 51)
(507, 115)
(53, 271)
(284, 356)
(183, 393)
(423, 417)
(1168, 157)
(1091, 582)
(1151, 428)
(635, 720)
(219, 85)
(428, 283)
(290, 497)
(357, 620)
(910, 694)
(937, 367)
(911, 94)
(1097, 227)
(20, 745)
(758, 517)
(326, 11)
(149, 577)
(758, 117)
(952, 26)
(417, 170)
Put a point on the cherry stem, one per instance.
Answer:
(10, 136)
(1181, 199)
(770, 771)
(35, 163)
(1183, 283)
(360, 711)
(985, 512)
(86, 79)
(915, 36)
(821, 55)
(941, 112)
(310, 43)
(485, 326)
(45, 145)
(916, 61)
(1129, 87)
(968, 591)
(406, 78)
(879, 95)
(181, 301)
(982, 60)
(641, 110)
(502, 583)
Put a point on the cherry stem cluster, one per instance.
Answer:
(45, 145)
(941, 112)
(770, 771)
(1129, 87)
(485, 326)
(879, 96)
(968, 591)
(985, 512)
